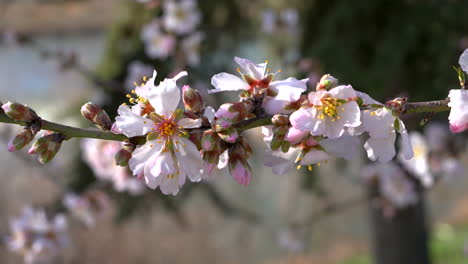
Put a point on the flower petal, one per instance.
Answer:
(290, 89)
(189, 123)
(130, 124)
(382, 149)
(166, 96)
(257, 71)
(227, 82)
(189, 159)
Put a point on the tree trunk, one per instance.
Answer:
(402, 239)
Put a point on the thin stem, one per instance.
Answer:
(68, 131)
(431, 106)
(264, 120)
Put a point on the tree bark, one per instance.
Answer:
(402, 239)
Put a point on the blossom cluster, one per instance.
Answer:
(302, 127)
(398, 181)
(174, 30)
(37, 238)
(307, 128)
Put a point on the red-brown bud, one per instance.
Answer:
(19, 111)
(193, 101)
(23, 138)
(97, 115)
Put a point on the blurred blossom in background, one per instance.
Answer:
(57, 55)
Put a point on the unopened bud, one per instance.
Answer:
(193, 101)
(210, 140)
(327, 82)
(285, 146)
(240, 170)
(47, 146)
(211, 157)
(234, 112)
(280, 120)
(397, 105)
(276, 142)
(124, 154)
(229, 135)
(18, 111)
(23, 138)
(97, 115)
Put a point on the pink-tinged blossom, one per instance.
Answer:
(458, 104)
(87, 206)
(158, 45)
(240, 171)
(255, 78)
(167, 157)
(181, 17)
(35, 237)
(329, 113)
(99, 155)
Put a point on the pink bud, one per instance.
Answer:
(229, 135)
(47, 146)
(210, 140)
(240, 170)
(193, 101)
(234, 112)
(20, 140)
(18, 111)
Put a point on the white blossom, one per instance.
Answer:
(329, 113)
(167, 157)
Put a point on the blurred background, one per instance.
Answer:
(56, 55)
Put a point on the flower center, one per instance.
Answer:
(180, 13)
(418, 152)
(329, 108)
(167, 129)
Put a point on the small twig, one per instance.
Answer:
(70, 132)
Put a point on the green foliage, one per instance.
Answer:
(388, 47)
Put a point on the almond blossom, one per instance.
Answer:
(418, 165)
(181, 17)
(458, 117)
(329, 113)
(36, 238)
(394, 185)
(382, 126)
(458, 104)
(257, 80)
(167, 157)
(158, 45)
(99, 155)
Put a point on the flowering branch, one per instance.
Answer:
(71, 132)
